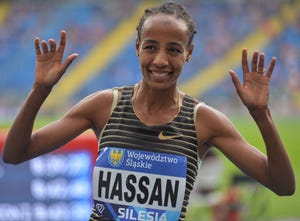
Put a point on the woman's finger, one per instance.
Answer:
(271, 67)
(52, 44)
(245, 61)
(45, 47)
(37, 46)
(261, 64)
(62, 42)
(254, 61)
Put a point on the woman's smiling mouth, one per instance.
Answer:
(157, 75)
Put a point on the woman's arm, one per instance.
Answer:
(274, 169)
(48, 71)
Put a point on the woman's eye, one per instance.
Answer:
(174, 51)
(150, 47)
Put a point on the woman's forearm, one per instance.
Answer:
(281, 175)
(18, 139)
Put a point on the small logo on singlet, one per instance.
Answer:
(116, 157)
(100, 207)
(163, 136)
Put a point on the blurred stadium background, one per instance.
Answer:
(103, 33)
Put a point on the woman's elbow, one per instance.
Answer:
(287, 190)
(11, 160)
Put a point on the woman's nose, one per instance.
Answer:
(161, 59)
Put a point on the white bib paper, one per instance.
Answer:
(139, 185)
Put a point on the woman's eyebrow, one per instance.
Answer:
(175, 43)
(150, 41)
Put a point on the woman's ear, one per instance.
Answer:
(188, 58)
(137, 47)
(189, 52)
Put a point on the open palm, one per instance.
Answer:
(254, 92)
(49, 66)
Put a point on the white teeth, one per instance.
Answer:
(160, 74)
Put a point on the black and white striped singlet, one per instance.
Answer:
(125, 130)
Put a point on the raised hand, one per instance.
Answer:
(254, 92)
(49, 65)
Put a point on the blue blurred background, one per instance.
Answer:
(103, 33)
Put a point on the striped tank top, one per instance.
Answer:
(125, 130)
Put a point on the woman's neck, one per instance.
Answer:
(156, 107)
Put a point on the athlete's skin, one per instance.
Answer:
(163, 50)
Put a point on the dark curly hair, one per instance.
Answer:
(169, 8)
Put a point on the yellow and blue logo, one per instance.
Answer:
(116, 157)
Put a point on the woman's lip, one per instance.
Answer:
(159, 75)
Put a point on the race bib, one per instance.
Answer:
(139, 185)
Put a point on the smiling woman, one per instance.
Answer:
(163, 48)
(169, 131)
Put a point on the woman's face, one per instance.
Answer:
(163, 49)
